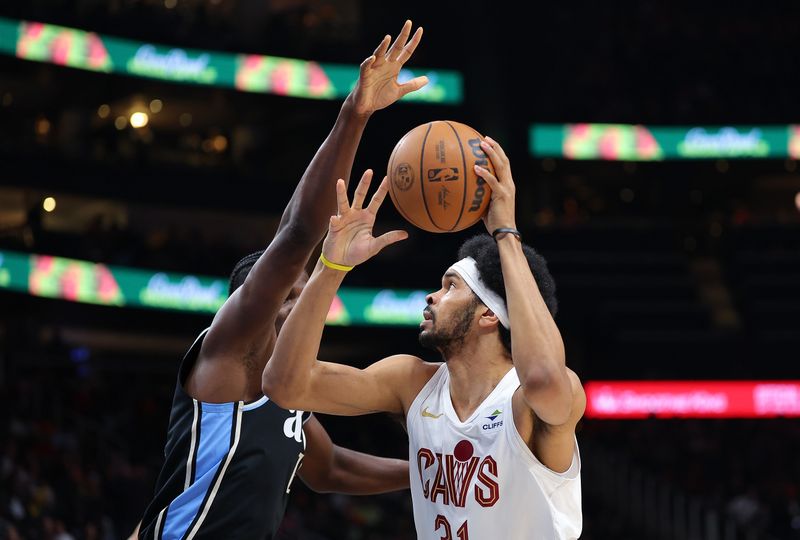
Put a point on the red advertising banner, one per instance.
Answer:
(692, 399)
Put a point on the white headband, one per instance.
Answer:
(468, 270)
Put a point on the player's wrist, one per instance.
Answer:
(352, 108)
(510, 233)
(334, 264)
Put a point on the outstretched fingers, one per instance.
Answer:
(379, 196)
(400, 42)
(366, 64)
(413, 85)
(342, 204)
(361, 190)
(388, 239)
(382, 47)
(409, 49)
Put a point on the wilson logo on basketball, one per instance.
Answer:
(450, 479)
(483, 161)
(403, 177)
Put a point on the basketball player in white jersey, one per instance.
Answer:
(491, 429)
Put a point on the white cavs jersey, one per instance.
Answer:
(477, 479)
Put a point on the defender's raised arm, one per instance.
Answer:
(245, 324)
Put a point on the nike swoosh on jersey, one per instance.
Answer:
(427, 414)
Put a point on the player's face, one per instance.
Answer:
(449, 315)
(291, 300)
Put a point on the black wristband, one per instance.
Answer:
(506, 230)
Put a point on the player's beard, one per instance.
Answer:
(448, 339)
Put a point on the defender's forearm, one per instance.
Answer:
(362, 474)
(288, 372)
(314, 199)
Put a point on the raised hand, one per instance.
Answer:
(377, 85)
(350, 241)
(501, 211)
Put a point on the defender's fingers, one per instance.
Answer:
(380, 50)
(400, 42)
(413, 85)
(366, 64)
(387, 239)
(409, 49)
(379, 196)
(342, 204)
(361, 190)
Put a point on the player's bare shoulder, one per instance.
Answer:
(576, 412)
(409, 374)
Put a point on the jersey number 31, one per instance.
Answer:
(461, 534)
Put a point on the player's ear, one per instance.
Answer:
(488, 319)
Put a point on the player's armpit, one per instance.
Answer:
(553, 445)
(388, 385)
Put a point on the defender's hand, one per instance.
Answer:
(377, 85)
(501, 211)
(350, 241)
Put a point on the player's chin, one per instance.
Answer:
(427, 338)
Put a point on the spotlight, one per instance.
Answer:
(42, 126)
(49, 204)
(139, 119)
(220, 143)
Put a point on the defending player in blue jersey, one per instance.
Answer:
(231, 453)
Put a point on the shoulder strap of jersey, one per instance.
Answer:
(438, 378)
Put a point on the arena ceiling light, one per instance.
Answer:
(139, 119)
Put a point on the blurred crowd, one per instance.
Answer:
(748, 471)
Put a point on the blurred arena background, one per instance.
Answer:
(654, 146)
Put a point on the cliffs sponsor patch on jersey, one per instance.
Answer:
(494, 420)
(452, 478)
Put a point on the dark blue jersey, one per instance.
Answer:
(228, 467)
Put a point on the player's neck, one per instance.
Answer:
(475, 371)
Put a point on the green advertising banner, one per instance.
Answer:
(92, 283)
(246, 72)
(625, 142)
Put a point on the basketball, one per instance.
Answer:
(432, 177)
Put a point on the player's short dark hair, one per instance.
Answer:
(484, 250)
(240, 271)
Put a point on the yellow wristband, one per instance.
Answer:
(333, 265)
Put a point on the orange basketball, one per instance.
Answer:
(432, 177)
